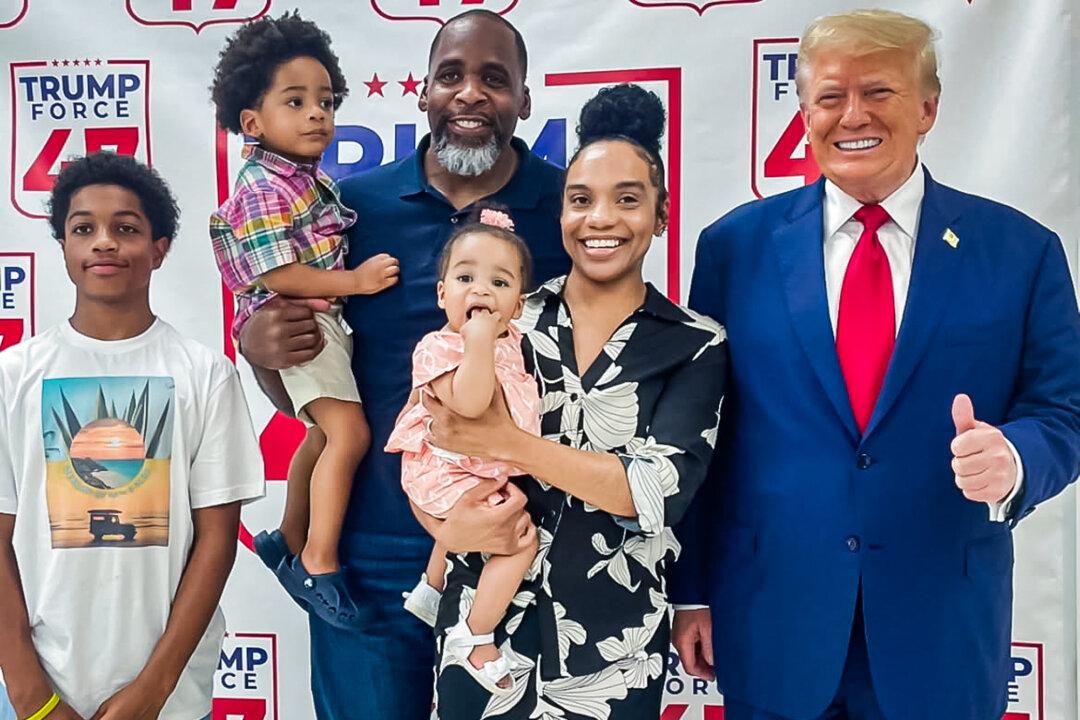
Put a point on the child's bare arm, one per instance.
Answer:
(468, 389)
(212, 554)
(298, 280)
(27, 686)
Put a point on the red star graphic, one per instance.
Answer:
(65, 63)
(409, 85)
(98, 61)
(55, 63)
(86, 62)
(375, 85)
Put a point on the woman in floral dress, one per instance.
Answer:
(631, 386)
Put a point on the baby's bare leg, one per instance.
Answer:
(499, 582)
(347, 439)
(294, 523)
(436, 567)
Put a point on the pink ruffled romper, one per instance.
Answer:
(433, 478)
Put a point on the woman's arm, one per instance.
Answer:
(597, 478)
(652, 479)
(475, 525)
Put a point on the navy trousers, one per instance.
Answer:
(855, 699)
(385, 670)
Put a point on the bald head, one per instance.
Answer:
(482, 21)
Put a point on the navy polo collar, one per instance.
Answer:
(521, 193)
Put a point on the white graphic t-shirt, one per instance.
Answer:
(106, 448)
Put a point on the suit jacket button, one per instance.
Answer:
(863, 461)
(853, 543)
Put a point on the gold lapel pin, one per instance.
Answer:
(951, 238)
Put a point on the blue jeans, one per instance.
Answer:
(386, 670)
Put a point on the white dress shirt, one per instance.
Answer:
(897, 238)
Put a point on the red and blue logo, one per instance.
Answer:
(438, 11)
(68, 107)
(246, 681)
(781, 158)
(698, 7)
(16, 297)
(195, 14)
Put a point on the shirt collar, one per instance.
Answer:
(654, 304)
(522, 192)
(277, 164)
(903, 205)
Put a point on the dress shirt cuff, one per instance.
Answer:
(999, 511)
(690, 607)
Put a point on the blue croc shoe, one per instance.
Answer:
(271, 548)
(325, 596)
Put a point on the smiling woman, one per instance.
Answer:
(630, 387)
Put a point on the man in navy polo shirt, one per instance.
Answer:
(474, 94)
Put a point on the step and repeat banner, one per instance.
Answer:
(132, 76)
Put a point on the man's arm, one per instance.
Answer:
(1036, 452)
(213, 551)
(1044, 421)
(281, 334)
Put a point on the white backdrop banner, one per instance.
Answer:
(132, 76)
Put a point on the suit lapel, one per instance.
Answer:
(799, 247)
(933, 273)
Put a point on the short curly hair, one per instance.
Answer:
(247, 63)
(108, 168)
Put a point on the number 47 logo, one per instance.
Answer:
(196, 14)
(781, 157)
(436, 10)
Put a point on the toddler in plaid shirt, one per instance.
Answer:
(277, 81)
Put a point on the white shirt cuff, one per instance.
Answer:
(690, 607)
(999, 511)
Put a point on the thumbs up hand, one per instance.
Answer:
(982, 461)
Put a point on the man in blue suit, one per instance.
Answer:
(905, 387)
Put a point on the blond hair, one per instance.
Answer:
(864, 32)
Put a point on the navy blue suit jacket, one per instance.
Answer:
(799, 509)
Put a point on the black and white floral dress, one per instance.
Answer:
(588, 631)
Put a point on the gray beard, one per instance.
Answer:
(467, 161)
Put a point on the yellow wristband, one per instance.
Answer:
(46, 709)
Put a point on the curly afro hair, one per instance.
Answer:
(247, 63)
(634, 115)
(108, 168)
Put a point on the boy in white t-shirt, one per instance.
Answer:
(125, 452)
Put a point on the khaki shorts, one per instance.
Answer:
(329, 375)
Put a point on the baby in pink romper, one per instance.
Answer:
(483, 272)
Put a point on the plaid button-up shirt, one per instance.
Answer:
(280, 212)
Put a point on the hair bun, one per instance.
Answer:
(628, 110)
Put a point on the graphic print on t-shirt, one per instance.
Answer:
(108, 442)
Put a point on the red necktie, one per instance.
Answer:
(866, 326)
